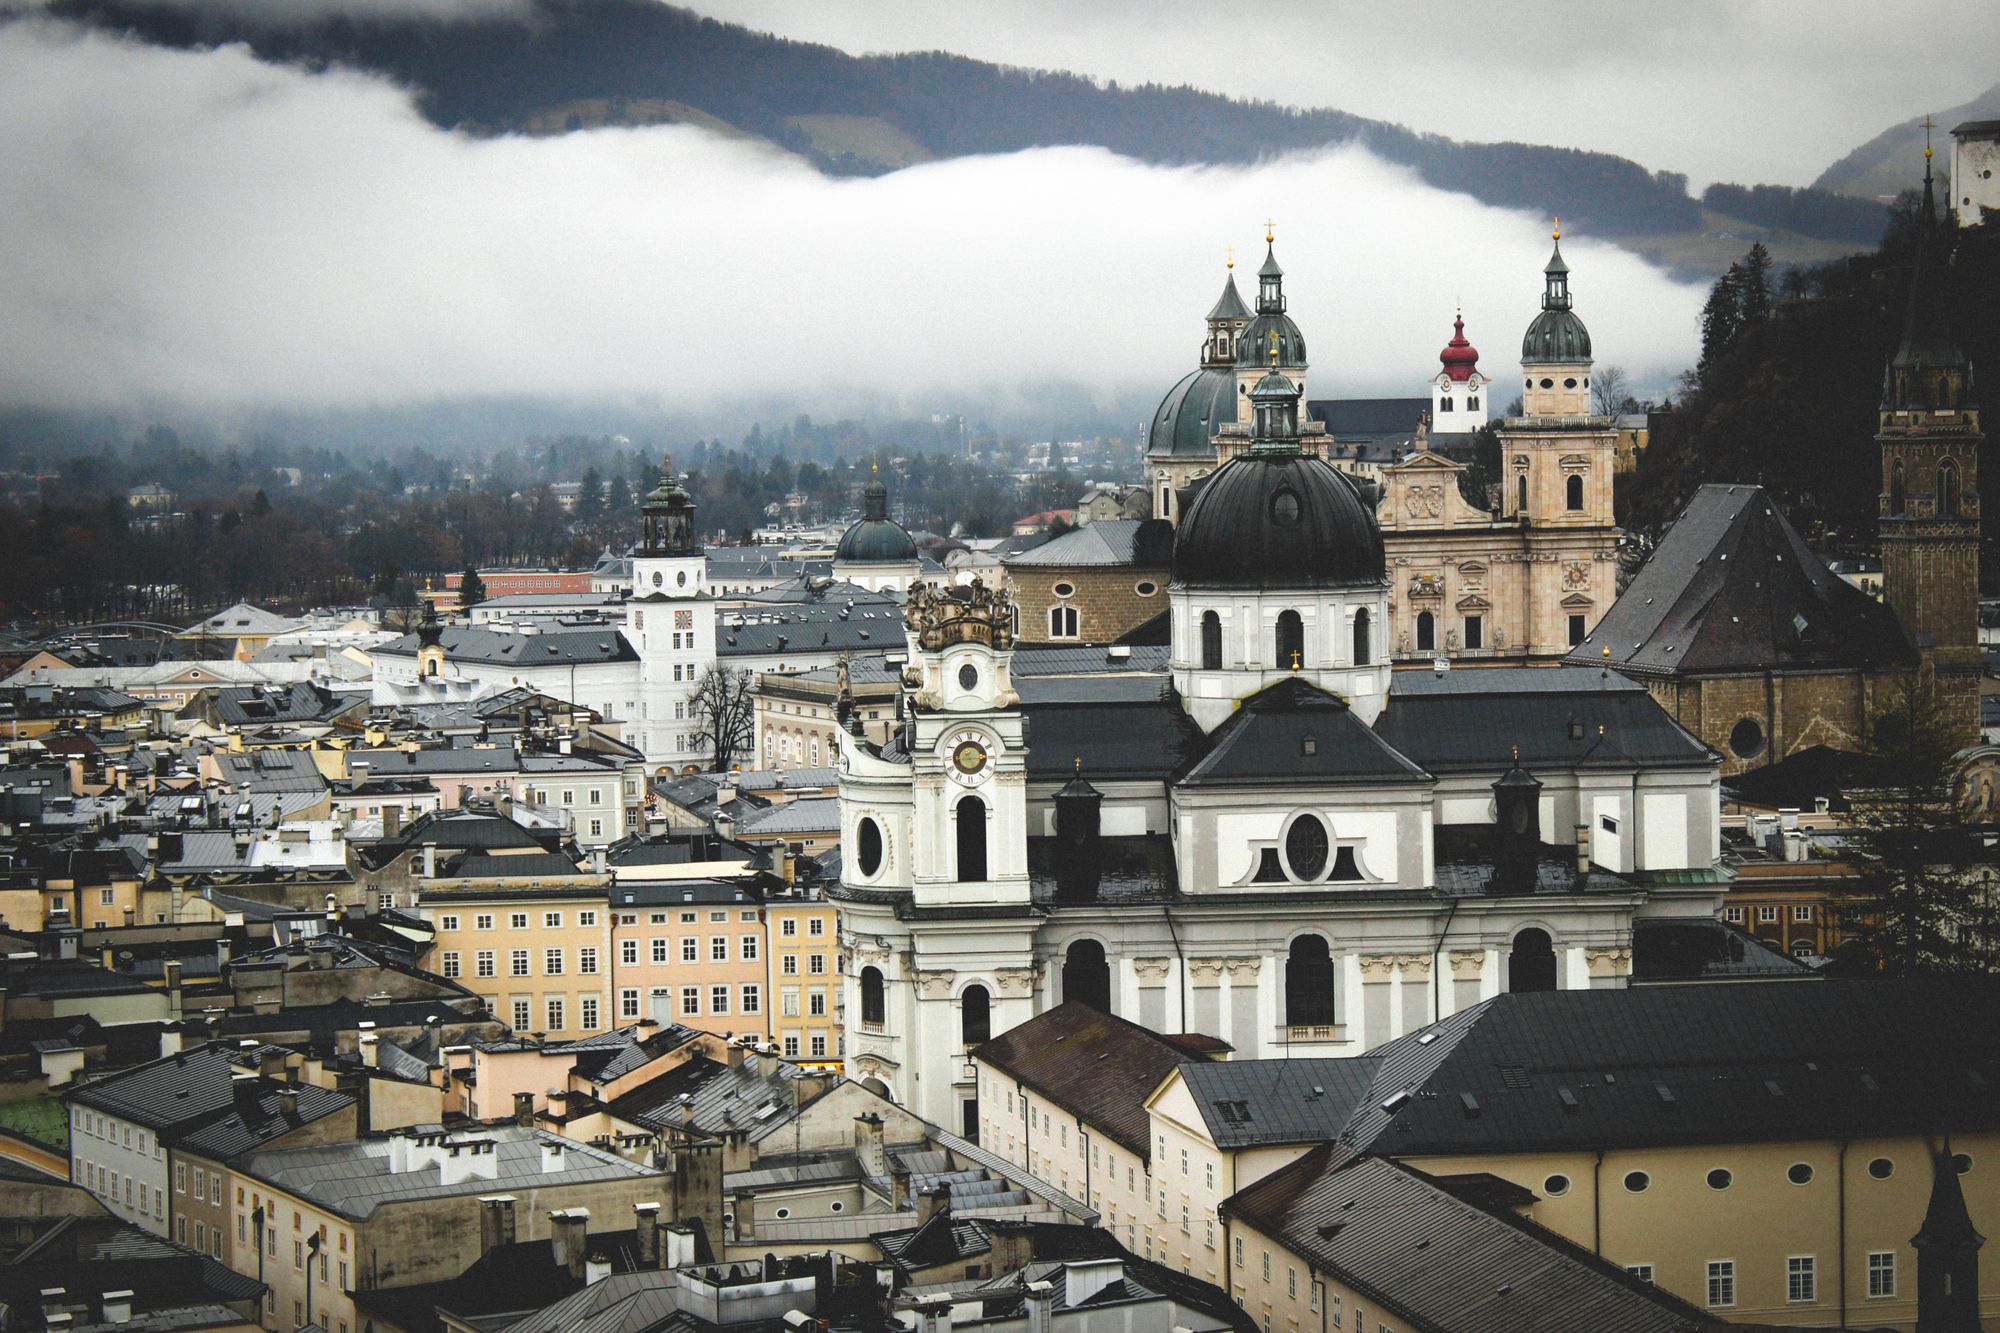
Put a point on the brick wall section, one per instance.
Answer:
(1106, 599)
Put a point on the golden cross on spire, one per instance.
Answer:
(1274, 347)
(1559, 228)
(1270, 231)
(1229, 251)
(1295, 659)
(1929, 125)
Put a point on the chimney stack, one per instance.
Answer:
(935, 1200)
(496, 1222)
(118, 1307)
(646, 1224)
(524, 1109)
(568, 1230)
(1583, 849)
(868, 1148)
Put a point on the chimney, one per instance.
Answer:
(468, 1159)
(1084, 1278)
(899, 1186)
(369, 1054)
(646, 1226)
(118, 1307)
(392, 820)
(170, 1036)
(934, 1315)
(767, 1060)
(935, 1200)
(595, 1270)
(676, 1244)
(568, 1232)
(1041, 1307)
(868, 1148)
(1517, 843)
(552, 1155)
(496, 1222)
(288, 1103)
(736, 1055)
(430, 860)
(745, 1216)
(524, 1109)
(52, 1301)
(1080, 850)
(243, 1089)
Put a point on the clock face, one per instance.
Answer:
(970, 759)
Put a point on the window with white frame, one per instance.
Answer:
(1881, 1274)
(1801, 1279)
(587, 1011)
(586, 960)
(1721, 1283)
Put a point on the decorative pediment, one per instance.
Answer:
(1423, 460)
(1474, 603)
(1575, 463)
(1577, 601)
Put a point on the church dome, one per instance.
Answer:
(1187, 418)
(1556, 335)
(1278, 520)
(1459, 358)
(1254, 347)
(876, 539)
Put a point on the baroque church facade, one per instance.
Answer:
(1288, 845)
(1519, 583)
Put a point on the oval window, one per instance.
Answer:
(836, 1206)
(1556, 1186)
(1799, 1173)
(1961, 1162)
(1147, 588)
(1719, 1179)
(1881, 1168)
(968, 677)
(1306, 847)
(868, 855)
(1570, 383)
(682, 578)
(1064, 589)
(1746, 738)
(1548, 384)
(1637, 1181)
(784, 1213)
(1285, 508)
(659, 579)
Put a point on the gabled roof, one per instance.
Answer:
(1296, 733)
(1733, 587)
(1094, 1065)
(1112, 738)
(1561, 718)
(565, 646)
(1440, 1263)
(1348, 417)
(1248, 1103)
(1110, 543)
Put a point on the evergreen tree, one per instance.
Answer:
(1754, 295)
(1721, 317)
(471, 589)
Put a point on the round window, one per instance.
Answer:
(682, 578)
(968, 677)
(1719, 1179)
(836, 1206)
(1637, 1181)
(1961, 1162)
(1146, 588)
(1064, 590)
(1285, 508)
(784, 1213)
(1556, 1186)
(1570, 383)
(659, 579)
(1746, 738)
(1306, 847)
(1799, 1173)
(1881, 1168)
(868, 855)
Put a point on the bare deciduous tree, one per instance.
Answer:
(723, 706)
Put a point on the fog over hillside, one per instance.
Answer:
(203, 229)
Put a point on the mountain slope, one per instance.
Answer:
(1892, 161)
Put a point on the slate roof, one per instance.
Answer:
(523, 1276)
(721, 1097)
(269, 771)
(1147, 740)
(87, 1256)
(306, 701)
(554, 646)
(1109, 543)
(1247, 1103)
(1675, 948)
(353, 1177)
(1733, 587)
(943, 1239)
(811, 814)
(1099, 1067)
(1346, 418)
(1425, 1257)
(1561, 718)
(1295, 733)
(1133, 688)
(1656, 1065)
(1803, 776)
(248, 1126)
(824, 628)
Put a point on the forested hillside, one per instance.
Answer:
(500, 75)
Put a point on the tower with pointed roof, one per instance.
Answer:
(1227, 319)
(1947, 1247)
(1270, 341)
(1930, 439)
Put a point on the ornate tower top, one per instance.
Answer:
(975, 613)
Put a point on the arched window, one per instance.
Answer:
(970, 816)
(1309, 984)
(1362, 653)
(975, 1015)
(1427, 632)
(1521, 494)
(1574, 489)
(1896, 487)
(1947, 489)
(1531, 964)
(1291, 641)
(1087, 976)
(1211, 641)
(1062, 622)
(873, 1008)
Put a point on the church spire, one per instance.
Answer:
(1929, 371)
(1270, 278)
(1555, 292)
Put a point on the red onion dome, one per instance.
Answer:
(1460, 358)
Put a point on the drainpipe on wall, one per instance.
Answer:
(1596, 1205)
(1840, 1227)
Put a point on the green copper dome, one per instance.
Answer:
(1556, 335)
(876, 539)
(1187, 418)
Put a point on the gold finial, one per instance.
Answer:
(1274, 347)
(1229, 253)
(874, 467)
(1559, 228)
(1079, 765)
(1295, 659)
(1517, 756)
(1270, 231)
(1929, 125)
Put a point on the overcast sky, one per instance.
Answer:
(197, 228)
(1756, 91)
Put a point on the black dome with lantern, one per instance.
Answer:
(875, 539)
(1277, 517)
